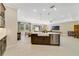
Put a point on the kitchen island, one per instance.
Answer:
(49, 38)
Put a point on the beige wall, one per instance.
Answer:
(67, 26)
(11, 25)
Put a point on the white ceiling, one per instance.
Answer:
(63, 12)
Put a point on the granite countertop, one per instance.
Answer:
(2, 33)
(45, 34)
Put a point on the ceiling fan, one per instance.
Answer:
(52, 6)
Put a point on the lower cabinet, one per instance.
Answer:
(35, 39)
(0, 49)
(2, 46)
(46, 40)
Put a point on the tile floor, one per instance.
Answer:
(69, 47)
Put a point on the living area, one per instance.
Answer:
(40, 29)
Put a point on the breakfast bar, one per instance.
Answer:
(45, 38)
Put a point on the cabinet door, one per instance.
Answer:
(46, 40)
(2, 9)
(2, 22)
(33, 38)
(2, 15)
(40, 40)
(3, 45)
(0, 49)
(43, 40)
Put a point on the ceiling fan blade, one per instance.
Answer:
(52, 6)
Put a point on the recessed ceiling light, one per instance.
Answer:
(52, 6)
(34, 10)
(55, 9)
(44, 9)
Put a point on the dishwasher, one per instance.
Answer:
(55, 39)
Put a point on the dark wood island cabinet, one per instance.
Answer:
(51, 39)
(35, 39)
